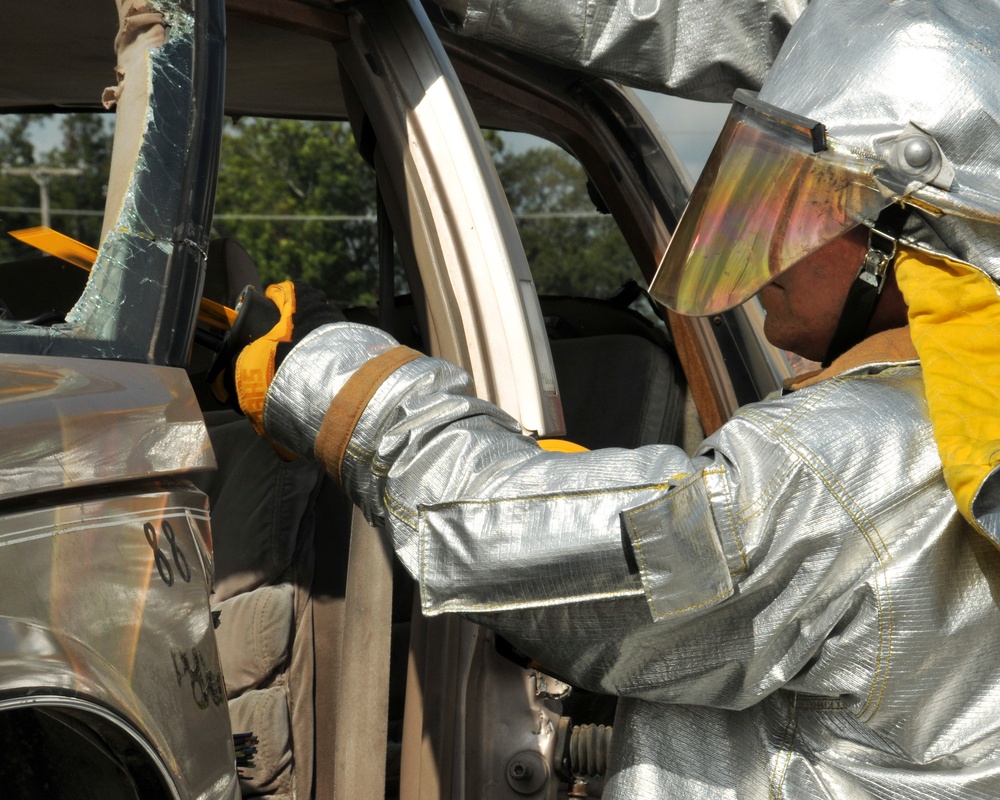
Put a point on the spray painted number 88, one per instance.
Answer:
(160, 558)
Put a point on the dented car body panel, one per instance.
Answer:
(106, 561)
(110, 681)
(72, 423)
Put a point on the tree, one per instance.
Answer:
(300, 198)
(77, 202)
(571, 248)
(302, 201)
(87, 141)
(16, 192)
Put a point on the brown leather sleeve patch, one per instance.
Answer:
(350, 402)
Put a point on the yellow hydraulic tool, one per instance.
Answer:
(80, 255)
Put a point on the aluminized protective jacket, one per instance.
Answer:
(701, 49)
(796, 611)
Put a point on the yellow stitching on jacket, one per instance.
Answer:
(645, 570)
(808, 402)
(465, 607)
(762, 502)
(558, 496)
(648, 581)
(787, 740)
(818, 466)
(400, 511)
(360, 453)
(721, 471)
(863, 524)
(720, 596)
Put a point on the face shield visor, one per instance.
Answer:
(774, 190)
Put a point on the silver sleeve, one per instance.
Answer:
(701, 49)
(310, 377)
(713, 579)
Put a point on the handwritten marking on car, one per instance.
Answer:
(159, 557)
(206, 685)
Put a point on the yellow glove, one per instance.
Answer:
(262, 342)
(257, 362)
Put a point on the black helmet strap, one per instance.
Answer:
(863, 296)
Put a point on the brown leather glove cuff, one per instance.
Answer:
(342, 416)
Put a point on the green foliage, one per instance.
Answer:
(302, 201)
(294, 172)
(85, 143)
(16, 148)
(571, 248)
(16, 192)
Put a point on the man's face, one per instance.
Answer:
(803, 304)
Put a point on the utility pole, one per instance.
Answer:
(42, 176)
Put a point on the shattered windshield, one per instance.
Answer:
(137, 301)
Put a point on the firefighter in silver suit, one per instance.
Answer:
(808, 606)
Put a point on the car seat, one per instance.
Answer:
(619, 377)
(280, 536)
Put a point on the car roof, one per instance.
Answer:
(59, 56)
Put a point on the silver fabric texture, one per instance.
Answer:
(701, 49)
(798, 611)
(932, 64)
(308, 381)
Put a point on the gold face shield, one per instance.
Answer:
(774, 190)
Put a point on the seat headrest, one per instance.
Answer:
(229, 268)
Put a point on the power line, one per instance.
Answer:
(229, 217)
(55, 212)
(43, 177)
(298, 217)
